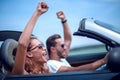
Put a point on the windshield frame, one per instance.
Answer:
(108, 26)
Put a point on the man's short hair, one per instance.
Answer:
(51, 41)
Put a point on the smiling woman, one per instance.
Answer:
(30, 58)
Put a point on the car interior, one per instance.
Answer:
(7, 55)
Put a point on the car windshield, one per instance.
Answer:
(108, 26)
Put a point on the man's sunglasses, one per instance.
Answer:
(38, 46)
(62, 45)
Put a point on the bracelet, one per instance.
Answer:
(64, 21)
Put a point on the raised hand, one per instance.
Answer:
(61, 15)
(42, 7)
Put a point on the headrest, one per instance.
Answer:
(6, 53)
(114, 60)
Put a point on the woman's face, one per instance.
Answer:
(38, 51)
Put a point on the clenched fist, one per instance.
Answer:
(61, 15)
(42, 7)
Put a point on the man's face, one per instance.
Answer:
(60, 48)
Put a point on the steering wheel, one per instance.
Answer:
(113, 62)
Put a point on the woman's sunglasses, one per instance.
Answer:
(38, 46)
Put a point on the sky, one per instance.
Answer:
(14, 15)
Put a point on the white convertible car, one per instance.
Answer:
(107, 34)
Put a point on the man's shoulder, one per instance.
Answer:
(52, 61)
(53, 65)
(63, 59)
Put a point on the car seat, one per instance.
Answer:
(7, 54)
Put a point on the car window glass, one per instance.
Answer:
(86, 46)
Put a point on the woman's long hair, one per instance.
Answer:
(30, 67)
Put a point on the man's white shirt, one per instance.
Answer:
(54, 65)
